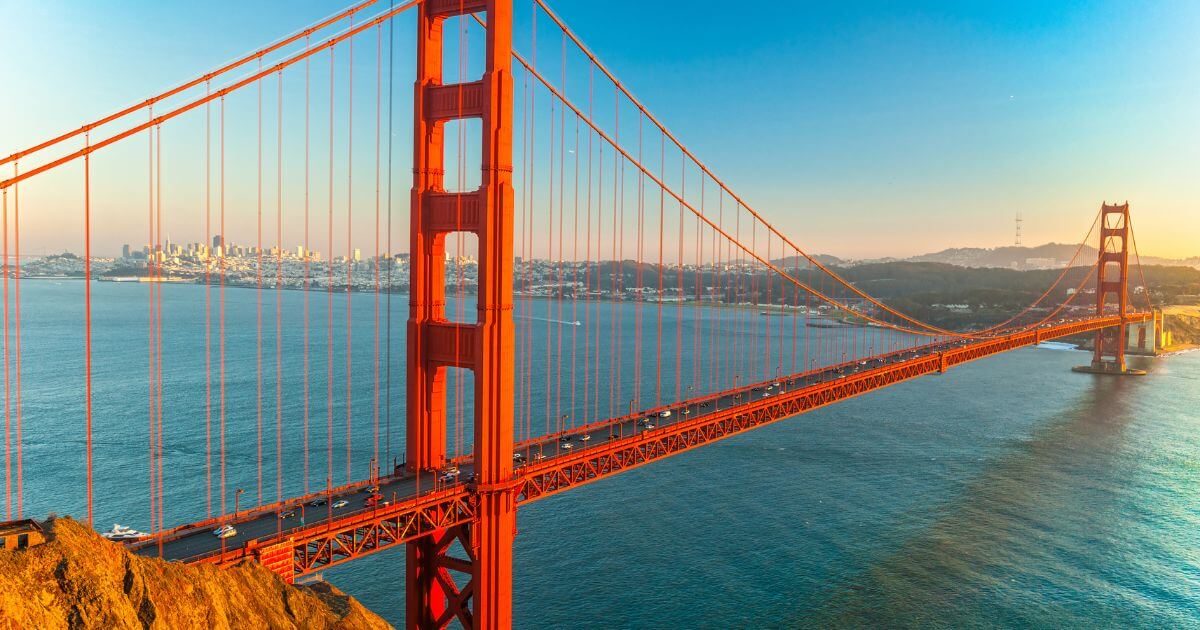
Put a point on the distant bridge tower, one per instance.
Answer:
(1112, 291)
(436, 594)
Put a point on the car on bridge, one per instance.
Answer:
(225, 531)
(340, 503)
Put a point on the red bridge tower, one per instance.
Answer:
(476, 589)
(1112, 292)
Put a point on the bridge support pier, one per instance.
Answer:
(1112, 290)
(434, 597)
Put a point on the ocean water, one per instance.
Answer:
(1007, 493)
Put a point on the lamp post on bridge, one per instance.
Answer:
(237, 495)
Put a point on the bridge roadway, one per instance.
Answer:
(263, 525)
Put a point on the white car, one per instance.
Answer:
(585, 437)
(665, 413)
(225, 531)
(340, 503)
(647, 426)
(566, 445)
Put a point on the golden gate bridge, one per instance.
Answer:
(530, 155)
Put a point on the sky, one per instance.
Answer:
(861, 129)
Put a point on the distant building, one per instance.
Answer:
(217, 242)
(1042, 263)
(357, 254)
(21, 534)
(125, 250)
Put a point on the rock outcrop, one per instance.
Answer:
(80, 580)
(1184, 324)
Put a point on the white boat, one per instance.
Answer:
(120, 532)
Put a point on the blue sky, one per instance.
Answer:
(861, 128)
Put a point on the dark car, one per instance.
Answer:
(287, 514)
(317, 502)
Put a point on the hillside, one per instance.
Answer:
(1184, 324)
(1050, 255)
(80, 580)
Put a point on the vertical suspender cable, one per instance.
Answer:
(376, 261)
(329, 296)
(19, 491)
(8, 498)
(391, 259)
(349, 242)
(208, 303)
(221, 302)
(521, 273)
(87, 316)
(258, 276)
(150, 346)
(159, 332)
(662, 197)
(679, 290)
(550, 258)
(306, 446)
(279, 296)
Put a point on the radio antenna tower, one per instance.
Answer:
(1019, 221)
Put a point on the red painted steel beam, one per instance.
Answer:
(563, 473)
(322, 545)
(430, 515)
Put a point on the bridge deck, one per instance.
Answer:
(321, 536)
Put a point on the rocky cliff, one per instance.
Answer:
(80, 580)
(1183, 322)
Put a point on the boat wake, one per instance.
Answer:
(553, 321)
